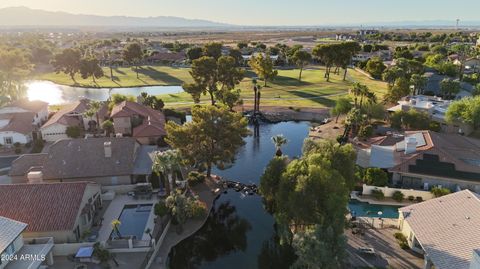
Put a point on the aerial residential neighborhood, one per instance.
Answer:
(263, 134)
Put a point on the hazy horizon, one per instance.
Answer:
(269, 12)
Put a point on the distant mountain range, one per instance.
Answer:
(26, 17)
(23, 16)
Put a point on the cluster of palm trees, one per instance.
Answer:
(362, 93)
(167, 164)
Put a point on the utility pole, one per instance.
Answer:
(456, 27)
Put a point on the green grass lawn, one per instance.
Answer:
(285, 90)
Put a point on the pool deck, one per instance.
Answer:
(386, 201)
(115, 209)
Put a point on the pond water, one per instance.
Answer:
(56, 94)
(239, 233)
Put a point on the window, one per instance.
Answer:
(10, 250)
(8, 140)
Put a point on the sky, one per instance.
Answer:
(271, 12)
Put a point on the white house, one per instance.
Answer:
(445, 230)
(40, 109)
(13, 250)
(20, 120)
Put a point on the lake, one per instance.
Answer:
(56, 94)
(239, 233)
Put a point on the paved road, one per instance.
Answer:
(6, 161)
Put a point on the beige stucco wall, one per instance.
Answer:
(122, 125)
(445, 182)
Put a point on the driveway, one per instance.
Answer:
(388, 252)
(6, 162)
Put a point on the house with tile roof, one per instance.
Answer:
(20, 121)
(69, 116)
(445, 230)
(107, 161)
(63, 211)
(423, 159)
(144, 123)
(12, 245)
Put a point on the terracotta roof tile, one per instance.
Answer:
(45, 206)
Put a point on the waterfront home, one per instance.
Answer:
(20, 120)
(144, 123)
(445, 230)
(423, 159)
(63, 211)
(72, 115)
(13, 249)
(436, 108)
(106, 161)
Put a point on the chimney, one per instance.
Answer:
(410, 145)
(107, 146)
(35, 177)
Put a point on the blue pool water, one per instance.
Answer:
(134, 219)
(362, 209)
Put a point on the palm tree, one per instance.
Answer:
(166, 163)
(93, 108)
(356, 91)
(279, 141)
(115, 225)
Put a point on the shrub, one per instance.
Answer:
(398, 196)
(195, 178)
(16, 144)
(402, 240)
(378, 194)
(366, 131)
(18, 150)
(438, 191)
(160, 209)
(197, 209)
(37, 146)
(419, 199)
(73, 131)
(411, 198)
(375, 177)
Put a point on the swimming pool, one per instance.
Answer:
(134, 219)
(361, 209)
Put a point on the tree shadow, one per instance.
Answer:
(159, 75)
(119, 71)
(289, 81)
(314, 98)
(223, 233)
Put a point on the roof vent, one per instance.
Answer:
(467, 217)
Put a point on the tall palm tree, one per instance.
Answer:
(166, 163)
(93, 109)
(356, 91)
(279, 141)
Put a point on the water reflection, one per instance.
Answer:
(262, 242)
(56, 94)
(225, 232)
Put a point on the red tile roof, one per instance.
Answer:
(62, 116)
(43, 206)
(153, 120)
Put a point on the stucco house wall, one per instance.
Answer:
(434, 181)
(54, 132)
(16, 137)
(122, 125)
